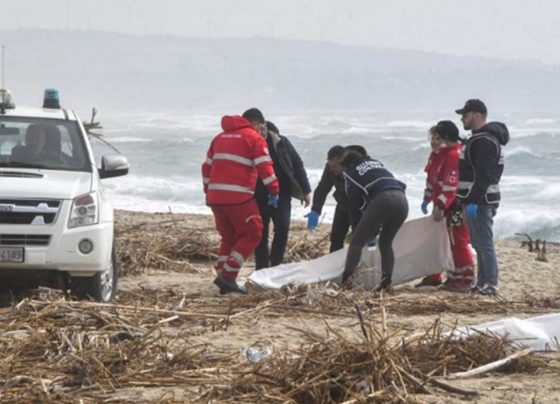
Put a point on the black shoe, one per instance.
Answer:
(228, 286)
(427, 282)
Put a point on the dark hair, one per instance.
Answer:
(358, 149)
(254, 115)
(270, 126)
(447, 130)
(335, 151)
(351, 157)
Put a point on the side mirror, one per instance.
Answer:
(113, 165)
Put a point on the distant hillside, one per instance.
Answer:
(129, 73)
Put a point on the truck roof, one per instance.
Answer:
(48, 113)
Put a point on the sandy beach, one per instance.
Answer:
(166, 289)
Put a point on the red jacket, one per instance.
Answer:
(443, 176)
(234, 159)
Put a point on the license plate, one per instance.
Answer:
(11, 254)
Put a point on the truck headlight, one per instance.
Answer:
(84, 211)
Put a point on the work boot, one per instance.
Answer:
(228, 286)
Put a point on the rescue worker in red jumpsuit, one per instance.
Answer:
(444, 179)
(235, 158)
(432, 171)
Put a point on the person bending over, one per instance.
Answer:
(377, 205)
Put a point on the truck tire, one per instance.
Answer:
(101, 287)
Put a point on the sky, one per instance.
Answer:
(524, 29)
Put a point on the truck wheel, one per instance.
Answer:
(101, 287)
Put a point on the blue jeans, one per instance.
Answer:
(482, 240)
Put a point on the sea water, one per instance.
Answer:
(166, 150)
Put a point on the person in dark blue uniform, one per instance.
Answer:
(377, 206)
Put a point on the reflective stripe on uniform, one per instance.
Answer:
(268, 180)
(234, 157)
(447, 188)
(208, 161)
(229, 268)
(261, 159)
(443, 198)
(238, 257)
(205, 180)
(229, 187)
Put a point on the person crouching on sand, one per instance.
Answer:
(378, 205)
(235, 158)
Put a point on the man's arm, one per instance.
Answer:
(325, 185)
(206, 168)
(299, 169)
(263, 164)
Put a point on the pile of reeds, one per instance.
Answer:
(382, 366)
(59, 350)
(174, 243)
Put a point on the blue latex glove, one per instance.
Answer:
(424, 207)
(472, 209)
(312, 219)
(273, 200)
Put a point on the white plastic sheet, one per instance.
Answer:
(540, 333)
(421, 248)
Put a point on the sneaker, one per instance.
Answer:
(427, 282)
(489, 290)
(476, 290)
(228, 286)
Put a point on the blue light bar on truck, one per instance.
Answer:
(51, 98)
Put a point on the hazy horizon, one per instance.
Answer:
(511, 29)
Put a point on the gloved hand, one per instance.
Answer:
(273, 200)
(424, 207)
(472, 210)
(312, 219)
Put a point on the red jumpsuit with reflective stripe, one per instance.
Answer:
(432, 169)
(235, 158)
(443, 196)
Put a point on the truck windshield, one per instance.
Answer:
(42, 143)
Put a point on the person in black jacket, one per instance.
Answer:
(481, 165)
(377, 205)
(330, 178)
(292, 177)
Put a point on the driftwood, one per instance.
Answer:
(541, 252)
(490, 366)
(535, 246)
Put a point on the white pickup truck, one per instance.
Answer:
(56, 222)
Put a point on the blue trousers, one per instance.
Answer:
(482, 240)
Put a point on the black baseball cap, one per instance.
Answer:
(473, 105)
(447, 130)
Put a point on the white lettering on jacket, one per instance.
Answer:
(368, 165)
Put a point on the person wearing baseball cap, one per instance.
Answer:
(481, 165)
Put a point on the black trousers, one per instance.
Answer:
(339, 229)
(280, 216)
(384, 215)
